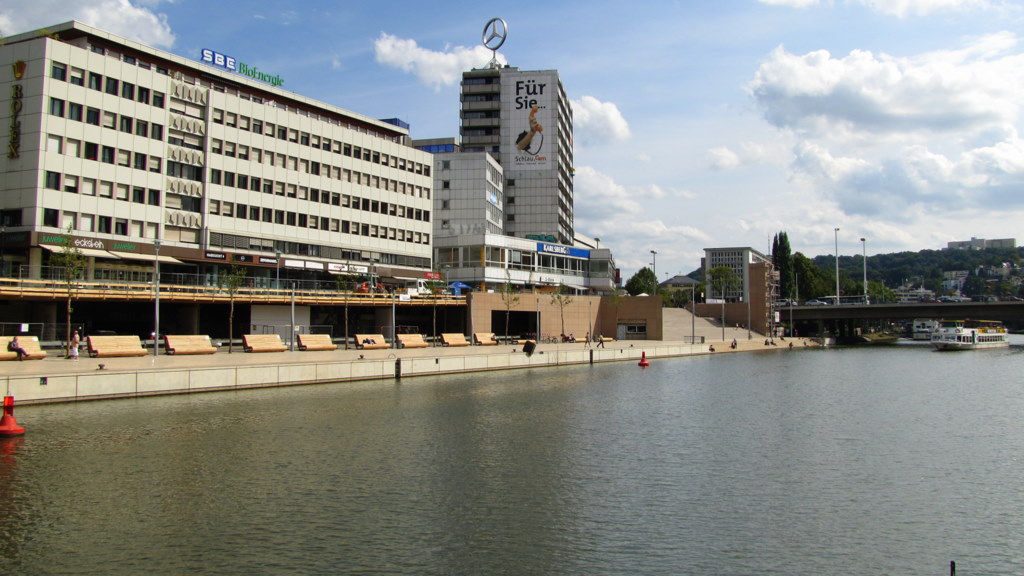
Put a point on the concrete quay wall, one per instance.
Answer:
(42, 385)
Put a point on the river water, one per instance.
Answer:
(892, 460)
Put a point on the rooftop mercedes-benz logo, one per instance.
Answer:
(495, 33)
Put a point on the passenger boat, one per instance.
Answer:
(922, 329)
(970, 335)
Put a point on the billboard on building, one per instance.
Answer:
(532, 129)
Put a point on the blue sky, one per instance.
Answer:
(697, 124)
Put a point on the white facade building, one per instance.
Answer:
(124, 144)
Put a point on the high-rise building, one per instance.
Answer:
(524, 118)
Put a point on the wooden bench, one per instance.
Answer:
(262, 343)
(372, 342)
(454, 339)
(30, 344)
(316, 342)
(521, 342)
(188, 344)
(112, 346)
(412, 341)
(485, 339)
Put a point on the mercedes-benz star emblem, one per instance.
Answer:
(495, 33)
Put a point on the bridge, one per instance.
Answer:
(844, 319)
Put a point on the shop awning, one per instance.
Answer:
(146, 257)
(90, 252)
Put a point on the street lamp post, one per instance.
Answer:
(864, 257)
(156, 297)
(3, 250)
(837, 266)
(654, 268)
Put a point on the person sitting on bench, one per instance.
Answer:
(15, 346)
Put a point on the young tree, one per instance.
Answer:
(437, 288)
(562, 298)
(723, 279)
(72, 262)
(782, 259)
(510, 298)
(231, 282)
(345, 286)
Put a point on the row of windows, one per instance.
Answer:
(245, 182)
(230, 241)
(98, 223)
(248, 124)
(104, 189)
(106, 154)
(314, 168)
(314, 222)
(112, 86)
(96, 117)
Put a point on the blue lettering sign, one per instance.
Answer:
(218, 59)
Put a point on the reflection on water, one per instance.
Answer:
(887, 461)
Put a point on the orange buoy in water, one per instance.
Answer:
(643, 360)
(8, 425)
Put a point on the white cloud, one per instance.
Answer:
(597, 122)
(136, 21)
(436, 69)
(866, 95)
(904, 8)
(791, 3)
(722, 158)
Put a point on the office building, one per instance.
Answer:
(114, 146)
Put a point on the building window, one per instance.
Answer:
(77, 76)
(128, 90)
(140, 161)
(143, 95)
(121, 227)
(158, 99)
(154, 197)
(71, 184)
(57, 107)
(126, 124)
(51, 217)
(91, 151)
(75, 111)
(54, 144)
(109, 120)
(103, 224)
(156, 131)
(112, 85)
(53, 180)
(108, 155)
(92, 116)
(58, 71)
(141, 128)
(95, 81)
(138, 195)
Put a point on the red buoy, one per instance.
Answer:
(643, 360)
(8, 425)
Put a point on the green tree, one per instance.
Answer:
(782, 259)
(644, 281)
(71, 263)
(510, 298)
(231, 282)
(562, 298)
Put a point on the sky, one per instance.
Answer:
(696, 124)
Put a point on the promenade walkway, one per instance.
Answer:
(84, 378)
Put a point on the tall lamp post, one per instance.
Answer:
(837, 266)
(3, 251)
(864, 257)
(156, 298)
(654, 268)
